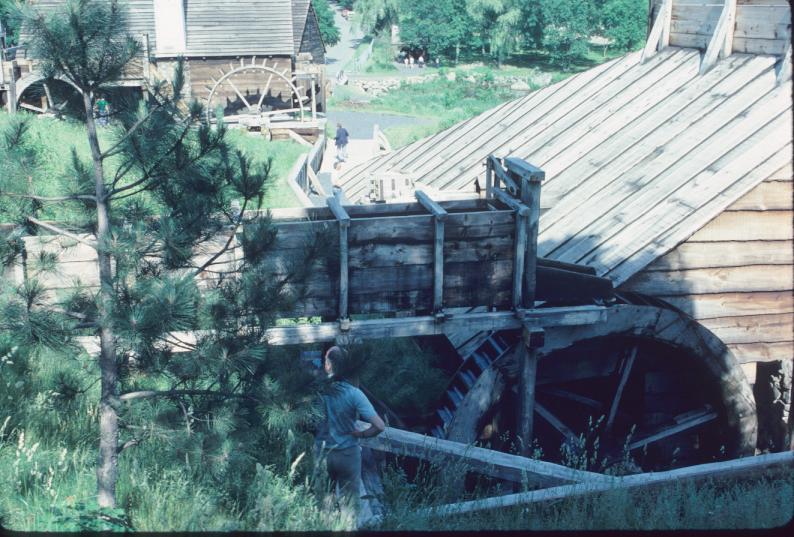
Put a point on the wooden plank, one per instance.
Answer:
(530, 195)
(460, 251)
(563, 429)
(439, 216)
(747, 353)
(519, 250)
(627, 365)
(784, 74)
(680, 226)
(660, 26)
(748, 466)
(775, 47)
(727, 46)
(718, 280)
(770, 195)
(667, 178)
(527, 357)
(748, 226)
(344, 223)
(763, 22)
(772, 328)
(695, 255)
(427, 325)
(733, 304)
(622, 154)
(458, 226)
(667, 431)
(477, 459)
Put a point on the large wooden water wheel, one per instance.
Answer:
(647, 389)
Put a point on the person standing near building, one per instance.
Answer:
(341, 139)
(336, 439)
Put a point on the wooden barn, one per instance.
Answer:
(668, 171)
(257, 60)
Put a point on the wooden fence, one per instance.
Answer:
(302, 178)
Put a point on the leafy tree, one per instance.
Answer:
(439, 26)
(567, 25)
(377, 15)
(625, 22)
(325, 16)
(8, 21)
(161, 184)
(499, 22)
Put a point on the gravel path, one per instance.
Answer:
(340, 54)
(360, 124)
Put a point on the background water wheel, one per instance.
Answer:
(41, 96)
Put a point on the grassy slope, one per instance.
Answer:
(54, 139)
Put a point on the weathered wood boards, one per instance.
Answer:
(471, 458)
(750, 466)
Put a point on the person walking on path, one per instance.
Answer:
(341, 139)
(336, 439)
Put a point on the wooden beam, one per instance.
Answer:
(519, 250)
(530, 196)
(664, 432)
(344, 223)
(427, 325)
(624, 377)
(528, 372)
(318, 186)
(661, 26)
(784, 74)
(727, 46)
(439, 216)
(477, 459)
(555, 422)
(748, 466)
(717, 43)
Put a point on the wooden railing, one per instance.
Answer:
(303, 175)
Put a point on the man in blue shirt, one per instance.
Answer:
(341, 139)
(337, 437)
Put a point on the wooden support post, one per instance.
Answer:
(529, 179)
(439, 216)
(661, 26)
(532, 339)
(344, 223)
(519, 250)
(717, 44)
(12, 90)
(146, 55)
(784, 74)
(488, 179)
(314, 98)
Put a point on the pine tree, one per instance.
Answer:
(158, 203)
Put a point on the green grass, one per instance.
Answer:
(52, 141)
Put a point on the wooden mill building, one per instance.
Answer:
(668, 171)
(245, 57)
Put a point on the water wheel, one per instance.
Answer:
(47, 96)
(244, 92)
(648, 389)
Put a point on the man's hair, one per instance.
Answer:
(337, 357)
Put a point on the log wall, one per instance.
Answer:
(735, 274)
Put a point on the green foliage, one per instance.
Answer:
(9, 21)
(439, 26)
(625, 22)
(376, 16)
(325, 17)
(567, 27)
(499, 24)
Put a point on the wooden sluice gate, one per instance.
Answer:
(420, 259)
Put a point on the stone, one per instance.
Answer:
(520, 85)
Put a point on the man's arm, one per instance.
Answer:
(376, 426)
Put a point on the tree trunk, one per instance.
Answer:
(457, 53)
(107, 465)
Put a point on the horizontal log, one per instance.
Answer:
(745, 467)
(747, 226)
(429, 325)
(747, 353)
(375, 209)
(387, 255)
(752, 328)
(757, 278)
(420, 228)
(695, 255)
(767, 196)
(463, 457)
(773, 47)
(732, 304)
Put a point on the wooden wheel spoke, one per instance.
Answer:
(624, 377)
(685, 422)
(239, 94)
(555, 422)
(264, 92)
(571, 396)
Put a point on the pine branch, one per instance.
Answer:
(60, 231)
(145, 394)
(50, 199)
(114, 149)
(228, 242)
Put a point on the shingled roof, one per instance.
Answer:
(638, 156)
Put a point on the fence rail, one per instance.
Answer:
(302, 176)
